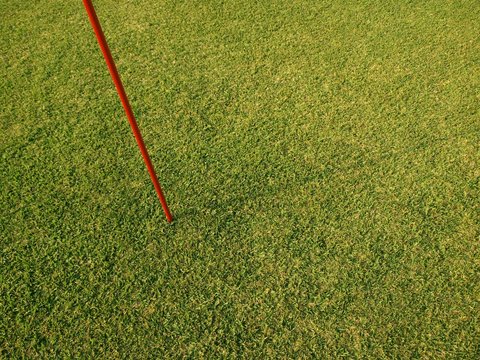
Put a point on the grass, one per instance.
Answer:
(321, 159)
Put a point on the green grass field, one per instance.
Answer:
(321, 159)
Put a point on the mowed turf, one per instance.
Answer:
(321, 159)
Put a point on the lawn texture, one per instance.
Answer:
(321, 159)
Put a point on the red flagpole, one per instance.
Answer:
(126, 105)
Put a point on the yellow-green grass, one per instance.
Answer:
(321, 159)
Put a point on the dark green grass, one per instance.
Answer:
(321, 160)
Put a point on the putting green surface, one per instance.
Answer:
(321, 160)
